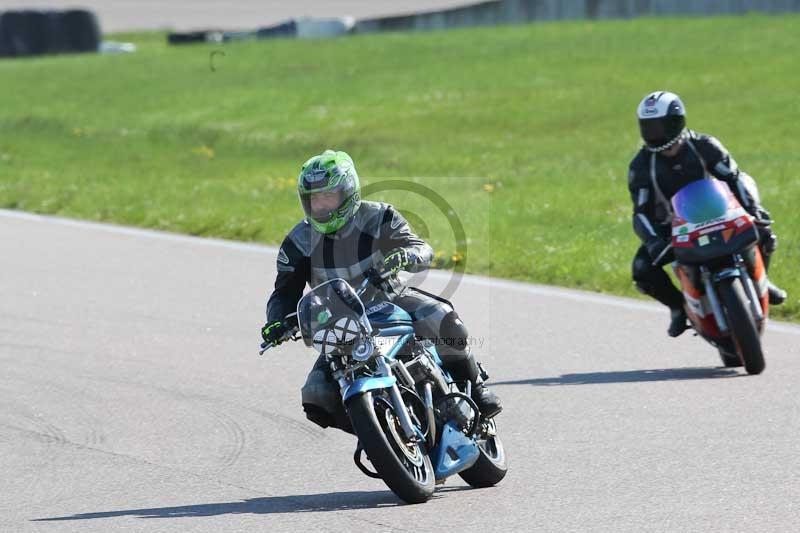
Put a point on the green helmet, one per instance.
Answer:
(329, 190)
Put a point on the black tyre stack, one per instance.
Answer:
(31, 33)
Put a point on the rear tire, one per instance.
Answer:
(492, 464)
(406, 470)
(742, 325)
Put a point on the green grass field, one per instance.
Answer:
(527, 131)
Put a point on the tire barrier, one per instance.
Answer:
(27, 33)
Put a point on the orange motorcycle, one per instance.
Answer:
(721, 271)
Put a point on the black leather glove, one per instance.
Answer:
(767, 239)
(274, 333)
(396, 260)
(762, 216)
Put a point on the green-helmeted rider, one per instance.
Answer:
(343, 236)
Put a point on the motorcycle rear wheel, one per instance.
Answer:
(405, 468)
(742, 325)
(492, 464)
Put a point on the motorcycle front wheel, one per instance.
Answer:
(404, 466)
(742, 325)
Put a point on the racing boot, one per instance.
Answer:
(488, 402)
(776, 295)
(463, 367)
(677, 324)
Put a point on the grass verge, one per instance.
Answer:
(542, 115)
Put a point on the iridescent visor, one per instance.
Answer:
(701, 201)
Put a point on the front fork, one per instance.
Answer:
(384, 371)
(711, 293)
(740, 270)
(749, 288)
(397, 401)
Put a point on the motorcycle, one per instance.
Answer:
(416, 425)
(721, 271)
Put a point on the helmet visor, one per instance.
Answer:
(322, 205)
(653, 132)
(660, 131)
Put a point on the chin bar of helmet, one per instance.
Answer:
(668, 145)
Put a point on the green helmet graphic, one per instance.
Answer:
(329, 190)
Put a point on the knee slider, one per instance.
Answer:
(318, 415)
(319, 391)
(641, 269)
(452, 332)
(642, 276)
(644, 288)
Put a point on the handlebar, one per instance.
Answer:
(291, 335)
(657, 260)
(369, 277)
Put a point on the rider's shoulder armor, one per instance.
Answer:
(710, 148)
(368, 218)
(639, 171)
(304, 237)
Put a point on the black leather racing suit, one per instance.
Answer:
(652, 181)
(309, 257)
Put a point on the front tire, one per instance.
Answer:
(742, 325)
(406, 469)
(729, 360)
(492, 464)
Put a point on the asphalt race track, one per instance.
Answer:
(132, 398)
(125, 15)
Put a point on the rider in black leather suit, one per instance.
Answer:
(672, 157)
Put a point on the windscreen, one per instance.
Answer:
(326, 304)
(702, 200)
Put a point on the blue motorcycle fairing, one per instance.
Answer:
(394, 331)
(386, 314)
(455, 452)
(362, 385)
(402, 338)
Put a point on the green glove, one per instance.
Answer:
(397, 260)
(274, 333)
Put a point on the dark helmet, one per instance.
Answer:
(662, 120)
